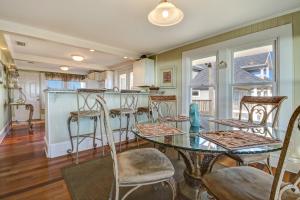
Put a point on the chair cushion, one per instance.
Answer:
(249, 158)
(239, 183)
(143, 166)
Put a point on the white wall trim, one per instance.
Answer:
(60, 149)
(4, 131)
(13, 27)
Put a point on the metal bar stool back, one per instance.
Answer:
(87, 108)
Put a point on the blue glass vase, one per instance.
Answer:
(194, 115)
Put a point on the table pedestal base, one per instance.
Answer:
(197, 164)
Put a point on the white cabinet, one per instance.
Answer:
(105, 79)
(143, 72)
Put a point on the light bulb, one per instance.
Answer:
(165, 13)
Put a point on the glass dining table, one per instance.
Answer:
(199, 153)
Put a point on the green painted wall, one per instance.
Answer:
(174, 57)
(5, 59)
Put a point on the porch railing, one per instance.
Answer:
(205, 106)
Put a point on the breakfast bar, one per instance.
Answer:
(59, 104)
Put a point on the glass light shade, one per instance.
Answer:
(64, 68)
(78, 58)
(165, 14)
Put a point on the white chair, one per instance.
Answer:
(249, 183)
(135, 168)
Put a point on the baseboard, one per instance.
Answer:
(60, 149)
(4, 131)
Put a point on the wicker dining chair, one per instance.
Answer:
(164, 108)
(249, 183)
(264, 107)
(135, 168)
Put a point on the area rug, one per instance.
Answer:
(92, 180)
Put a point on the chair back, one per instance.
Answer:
(162, 106)
(129, 99)
(263, 107)
(86, 99)
(278, 178)
(105, 127)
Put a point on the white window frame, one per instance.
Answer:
(285, 82)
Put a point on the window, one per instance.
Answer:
(253, 75)
(122, 81)
(58, 84)
(203, 84)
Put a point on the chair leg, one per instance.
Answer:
(172, 185)
(120, 142)
(70, 135)
(77, 141)
(127, 128)
(94, 133)
(269, 167)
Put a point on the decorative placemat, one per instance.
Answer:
(236, 123)
(163, 129)
(233, 140)
(179, 118)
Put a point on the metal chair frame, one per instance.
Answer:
(105, 127)
(87, 107)
(128, 109)
(277, 189)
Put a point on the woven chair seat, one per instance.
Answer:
(86, 113)
(118, 111)
(178, 118)
(141, 166)
(242, 183)
(249, 158)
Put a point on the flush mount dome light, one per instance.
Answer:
(165, 14)
(77, 58)
(64, 68)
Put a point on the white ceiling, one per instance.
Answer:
(121, 27)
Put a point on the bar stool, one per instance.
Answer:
(87, 108)
(128, 109)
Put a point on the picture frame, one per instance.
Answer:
(167, 77)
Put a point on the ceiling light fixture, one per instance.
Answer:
(125, 57)
(64, 68)
(165, 14)
(3, 48)
(77, 58)
(92, 50)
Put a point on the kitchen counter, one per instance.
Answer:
(59, 104)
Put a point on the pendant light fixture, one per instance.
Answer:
(165, 14)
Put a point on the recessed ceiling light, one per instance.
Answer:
(125, 57)
(3, 48)
(92, 50)
(77, 58)
(64, 68)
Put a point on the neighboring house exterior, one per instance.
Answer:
(256, 68)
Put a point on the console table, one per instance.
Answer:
(27, 107)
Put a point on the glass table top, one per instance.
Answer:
(191, 139)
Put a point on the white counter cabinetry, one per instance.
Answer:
(59, 104)
(143, 72)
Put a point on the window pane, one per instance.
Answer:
(122, 82)
(203, 84)
(255, 65)
(73, 85)
(55, 84)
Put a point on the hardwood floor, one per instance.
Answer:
(26, 173)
